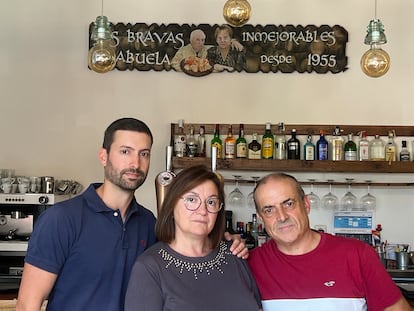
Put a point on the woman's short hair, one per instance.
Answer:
(223, 27)
(186, 180)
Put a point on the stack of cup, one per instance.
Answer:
(24, 183)
(7, 184)
(35, 184)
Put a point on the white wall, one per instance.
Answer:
(53, 110)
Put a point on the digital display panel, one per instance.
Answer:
(353, 222)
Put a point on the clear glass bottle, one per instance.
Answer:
(254, 148)
(230, 144)
(350, 149)
(241, 144)
(280, 142)
(363, 147)
(180, 140)
(262, 237)
(322, 147)
(192, 144)
(404, 153)
(391, 147)
(293, 147)
(337, 145)
(217, 142)
(201, 142)
(309, 149)
(267, 142)
(377, 149)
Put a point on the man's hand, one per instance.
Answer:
(236, 45)
(238, 247)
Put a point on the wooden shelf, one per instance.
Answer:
(300, 165)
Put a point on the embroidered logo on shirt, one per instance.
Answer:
(329, 283)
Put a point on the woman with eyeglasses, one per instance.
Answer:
(192, 267)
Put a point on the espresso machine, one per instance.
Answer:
(18, 213)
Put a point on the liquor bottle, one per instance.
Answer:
(309, 149)
(240, 229)
(350, 149)
(363, 147)
(241, 144)
(249, 239)
(322, 147)
(180, 140)
(377, 149)
(404, 153)
(262, 237)
(217, 142)
(293, 147)
(254, 229)
(229, 222)
(201, 142)
(280, 142)
(254, 148)
(337, 145)
(192, 144)
(391, 148)
(230, 144)
(267, 142)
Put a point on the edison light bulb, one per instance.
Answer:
(375, 62)
(236, 12)
(101, 57)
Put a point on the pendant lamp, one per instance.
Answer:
(102, 55)
(375, 62)
(236, 12)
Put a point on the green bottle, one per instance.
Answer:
(241, 144)
(350, 149)
(267, 143)
(217, 142)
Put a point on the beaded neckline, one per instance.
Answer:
(198, 265)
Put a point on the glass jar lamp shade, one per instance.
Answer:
(375, 62)
(237, 12)
(102, 55)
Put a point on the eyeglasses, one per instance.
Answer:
(270, 211)
(192, 202)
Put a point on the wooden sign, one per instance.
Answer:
(199, 50)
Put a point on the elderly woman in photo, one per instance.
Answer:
(191, 267)
(223, 56)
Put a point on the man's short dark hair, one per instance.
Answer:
(124, 124)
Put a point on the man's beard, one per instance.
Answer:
(117, 179)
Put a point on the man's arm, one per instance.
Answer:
(34, 289)
(236, 45)
(400, 305)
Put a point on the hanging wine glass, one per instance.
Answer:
(349, 200)
(236, 197)
(314, 199)
(368, 201)
(329, 200)
(250, 199)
